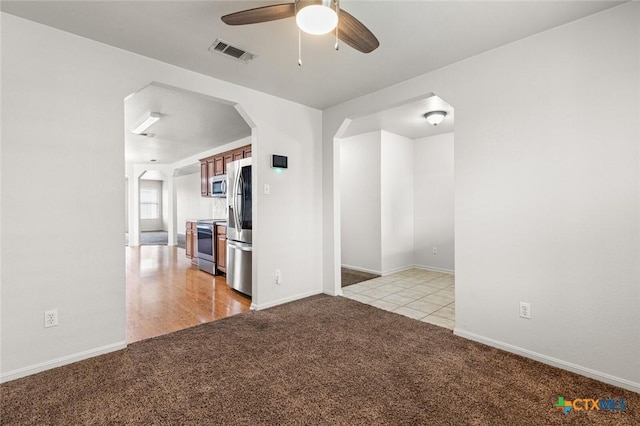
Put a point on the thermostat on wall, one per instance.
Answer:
(279, 162)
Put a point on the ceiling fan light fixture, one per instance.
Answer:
(317, 19)
(435, 117)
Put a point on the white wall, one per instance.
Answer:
(547, 192)
(72, 89)
(434, 201)
(190, 204)
(361, 198)
(159, 223)
(166, 205)
(376, 172)
(396, 189)
(126, 204)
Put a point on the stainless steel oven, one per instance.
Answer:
(206, 247)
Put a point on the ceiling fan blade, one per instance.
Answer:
(261, 14)
(355, 34)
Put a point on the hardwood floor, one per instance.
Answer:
(165, 293)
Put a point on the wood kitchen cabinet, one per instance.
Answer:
(191, 247)
(207, 171)
(218, 168)
(204, 179)
(217, 165)
(226, 160)
(221, 248)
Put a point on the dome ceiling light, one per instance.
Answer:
(317, 19)
(435, 117)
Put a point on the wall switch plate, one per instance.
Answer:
(435, 250)
(51, 318)
(267, 189)
(525, 310)
(278, 277)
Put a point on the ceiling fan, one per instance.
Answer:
(313, 17)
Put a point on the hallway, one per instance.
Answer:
(166, 293)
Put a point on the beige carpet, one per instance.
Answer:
(321, 360)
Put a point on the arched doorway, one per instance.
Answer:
(166, 292)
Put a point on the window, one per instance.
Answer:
(149, 204)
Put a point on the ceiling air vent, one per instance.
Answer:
(235, 52)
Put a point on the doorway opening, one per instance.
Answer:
(396, 180)
(166, 291)
(152, 209)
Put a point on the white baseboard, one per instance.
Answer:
(574, 368)
(396, 270)
(357, 268)
(402, 268)
(59, 362)
(434, 269)
(284, 300)
(334, 292)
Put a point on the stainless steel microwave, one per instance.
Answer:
(219, 186)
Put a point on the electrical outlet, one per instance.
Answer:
(525, 310)
(278, 277)
(51, 318)
(435, 250)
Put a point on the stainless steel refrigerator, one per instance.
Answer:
(239, 218)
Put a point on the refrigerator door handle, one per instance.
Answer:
(235, 200)
(239, 246)
(241, 196)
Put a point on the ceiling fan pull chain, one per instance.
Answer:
(299, 48)
(295, 9)
(337, 46)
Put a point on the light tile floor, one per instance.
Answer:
(423, 295)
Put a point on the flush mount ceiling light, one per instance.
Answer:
(145, 122)
(435, 117)
(317, 19)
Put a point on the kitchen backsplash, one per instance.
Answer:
(219, 208)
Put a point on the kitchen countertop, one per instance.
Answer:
(216, 221)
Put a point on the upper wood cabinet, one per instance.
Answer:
(204, 179)
(207, 171)
(216, 165)
(218, 168)
(227, 159)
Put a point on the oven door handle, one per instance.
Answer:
(205, 229)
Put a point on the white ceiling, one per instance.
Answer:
(415, 37)
(190, 124)
(406, 120)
